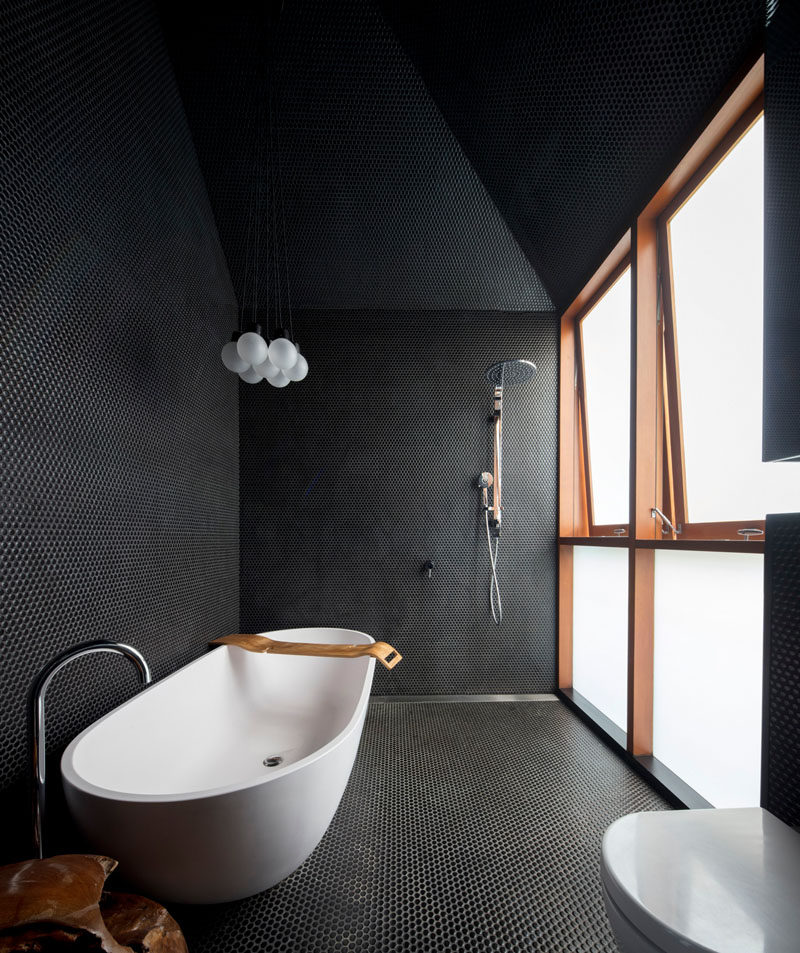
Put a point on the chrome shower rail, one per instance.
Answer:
(503, 374)
(497, 500)
(37, 712)
(517, 371)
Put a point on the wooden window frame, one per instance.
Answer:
(675, 494)
(615, 272)
(575, 479)
(657, 468)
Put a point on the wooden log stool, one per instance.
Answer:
(59, 903)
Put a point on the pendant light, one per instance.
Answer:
(267, 352)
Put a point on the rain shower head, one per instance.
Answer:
(511, 372)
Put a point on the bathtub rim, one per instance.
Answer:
(71, 777)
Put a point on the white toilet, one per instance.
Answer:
(712, 881)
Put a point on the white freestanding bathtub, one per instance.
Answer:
(174, 784)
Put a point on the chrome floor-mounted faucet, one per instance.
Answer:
(37, 711)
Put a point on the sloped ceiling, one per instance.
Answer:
(452, 155)
(383, 209)
(573, 112)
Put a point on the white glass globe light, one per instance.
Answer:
(251, 376)
(279, 380)
(267, 369)
(282, 353)
(231, 358)
(298, 370)
(252, 348)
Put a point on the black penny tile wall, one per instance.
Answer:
(781, 765)
(119, 427)
(358, 475)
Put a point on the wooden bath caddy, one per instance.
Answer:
(382, 651)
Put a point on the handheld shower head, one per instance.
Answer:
(485, 480)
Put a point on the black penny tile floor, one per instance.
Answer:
(466, 826)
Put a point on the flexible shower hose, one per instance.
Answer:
(494, 585)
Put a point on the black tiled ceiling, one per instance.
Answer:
(573, 111)
(384, 211)
(455, 155)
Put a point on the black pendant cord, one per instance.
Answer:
(248, 250)
(282, 199)
(265, 156)
(257, 224)
(268, 186)
(275, 199)
(250, 281)
(259, 205)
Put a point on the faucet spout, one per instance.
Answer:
(37, 715)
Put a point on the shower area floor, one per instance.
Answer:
(466, 826)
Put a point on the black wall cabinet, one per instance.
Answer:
(782, 236)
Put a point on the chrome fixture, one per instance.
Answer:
(511, 372)
(502, 374)
(485, 480)
(37, 712)
(749, 531)
(272, 356)
(655, 511)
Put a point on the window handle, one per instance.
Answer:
(655, 511)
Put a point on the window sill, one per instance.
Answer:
(666, 782)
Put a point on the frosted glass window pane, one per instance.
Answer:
(707, 672)
(606, 337)
(600, 629)
(717, 241)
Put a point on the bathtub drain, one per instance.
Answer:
(273, 762)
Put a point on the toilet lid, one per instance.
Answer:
(719, 880)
